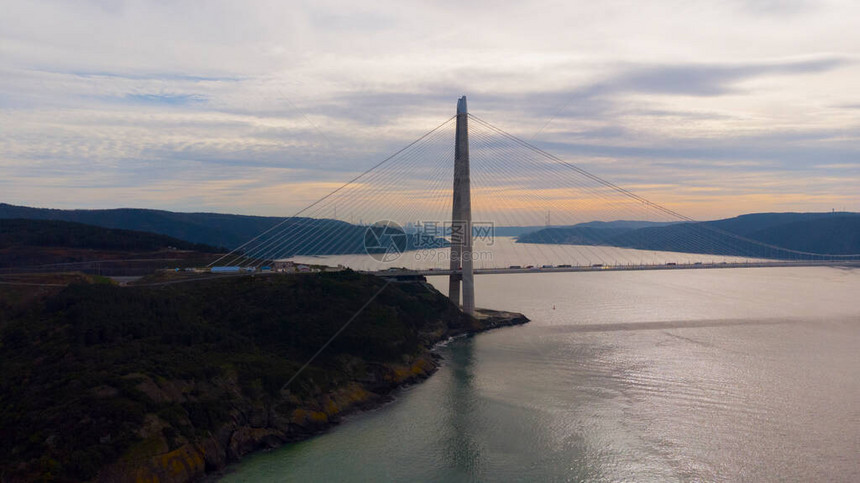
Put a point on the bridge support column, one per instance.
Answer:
(461, 217)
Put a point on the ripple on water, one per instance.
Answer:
(738, 374)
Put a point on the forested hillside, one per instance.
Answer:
(52, 233)
(746, 235)
(120, 383)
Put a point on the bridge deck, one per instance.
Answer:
(616, 268)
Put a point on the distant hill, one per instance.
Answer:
(53, 233)
(826, 233)
(514, 230)
(523, 230)
(831, 233)
(622, 224)
(573, 235)
(307, 236)
(208, 228)
(589, 233)
(39, 245)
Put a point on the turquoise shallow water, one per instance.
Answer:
(735, 374)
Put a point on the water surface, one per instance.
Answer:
(733, 374)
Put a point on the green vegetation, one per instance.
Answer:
(52, 233)
(308, 236)
(826, 233)
(210, 228)
(96, 374)
(41, 245)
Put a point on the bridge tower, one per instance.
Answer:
(461, 217)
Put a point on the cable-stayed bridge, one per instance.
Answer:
(490, 202)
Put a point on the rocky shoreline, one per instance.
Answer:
(257, 426)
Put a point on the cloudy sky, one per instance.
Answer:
(714, 108)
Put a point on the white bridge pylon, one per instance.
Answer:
(461, 217)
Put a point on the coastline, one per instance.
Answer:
(260, 427)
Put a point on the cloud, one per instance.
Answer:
(165, 99)
(152, 96)
(776, 7)
(707, 80)
(855, 166)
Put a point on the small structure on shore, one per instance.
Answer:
(283, 265)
